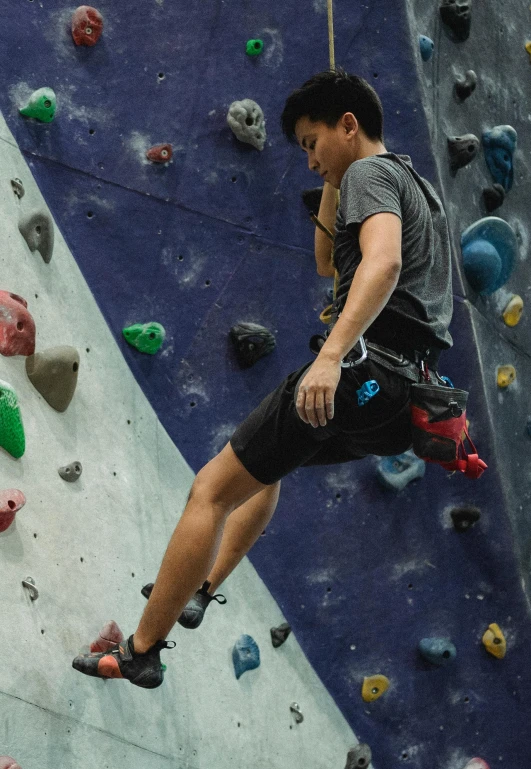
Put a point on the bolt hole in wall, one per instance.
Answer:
(90, 214)
(161, 75)
(92, 131)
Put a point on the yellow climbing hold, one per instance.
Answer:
(494, 641)
(373, 687)
(528, 46)
(513, 311)
(506, 375)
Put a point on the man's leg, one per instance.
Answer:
(221, 487)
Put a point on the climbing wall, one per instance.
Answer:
(216, 236)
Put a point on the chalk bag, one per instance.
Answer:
(438, 417)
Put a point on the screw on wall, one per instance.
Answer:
(297, 713)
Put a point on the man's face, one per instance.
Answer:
(330, 150)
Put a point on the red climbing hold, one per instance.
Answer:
(161, 153)
(11, 501)
(87, 25)
(109, 635)
(6, 762)
(17, 327)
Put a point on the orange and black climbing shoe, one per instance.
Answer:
(121, 661)
(194, 611)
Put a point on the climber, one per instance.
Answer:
(392, 254)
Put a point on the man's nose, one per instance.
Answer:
(312, 163)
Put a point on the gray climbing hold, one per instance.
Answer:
(251, 342)
(18, 188)
(465, 84)
(37, 230)
(493, 197)
(280, 634)
(456, 16)
(54, 374)
(297, 712)
(397, 471)
(464, 517)
(246, 121)
(359, 757)
(71, 472)
(462, 150)
(438, 651)
(245, 655)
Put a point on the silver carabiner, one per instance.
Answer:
(361, 359)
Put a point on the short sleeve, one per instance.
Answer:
(369, 187)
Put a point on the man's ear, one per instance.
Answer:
(349, 122)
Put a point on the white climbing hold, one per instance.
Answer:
(247, 122)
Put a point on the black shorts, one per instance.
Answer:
(274, 440)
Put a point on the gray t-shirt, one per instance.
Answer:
(419, 310)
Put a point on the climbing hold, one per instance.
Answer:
(161, 153)
(464, 517)
(513, 310)
(251, 342)
(493, 197)
(463, 150)
(359, 757)
(426, 45)
(297, 712)
(494, 641)
(397, 471)
(373, 687)
(457, 18)
(147, 337)
(254, 47)
(6, 762)
(489, 249)
(71, 472)
(12, 437)
(465, 84)
(11, 501)
(528, 47)
(246, 120)
(41, 105)
(87, 25)
(245, 655)
(17, 327)
(280, 634)
(477, 763)
(109, 635)
(37, 230)
(505, 375)
(54, 374)
(312, 199)
(499, 145)
(18, 188)
(29, 584)
(147, 589)
(367, 391)
(438, 651)
(528, 426)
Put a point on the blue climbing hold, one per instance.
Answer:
(367, 391)
(245, 655)
(426, 47)
(397, 471)
(489, 249)
(499, 145)
(438, 651)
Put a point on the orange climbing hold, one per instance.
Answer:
(373, 687)
(87, 25)
(17, 327)
(109, 636)
(161, 153)
(11, 501)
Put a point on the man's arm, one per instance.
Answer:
(323, 244)
(375, 280)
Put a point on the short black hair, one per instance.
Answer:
(327, 96)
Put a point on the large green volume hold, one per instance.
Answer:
(12, 437)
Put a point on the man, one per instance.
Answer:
(392, 254)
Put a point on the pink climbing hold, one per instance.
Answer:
(11, 501)
(477, 763)
(17, 327)
(109, 635)
(161, 153)
(6, 762)
(87, 25)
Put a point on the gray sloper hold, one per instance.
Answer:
(71, 472)
(280, 634)
(462, 150)
(359, 757)
(465, 84)
(18, 188)
(247, 123)
(54, 374)
(457, 18)
(37, 230)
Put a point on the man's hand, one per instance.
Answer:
(315, 401)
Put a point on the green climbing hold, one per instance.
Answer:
(12, 437)
(254, 47)
(41, 105)
(146, 337)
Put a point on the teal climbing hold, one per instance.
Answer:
(438, 651)
(41, 105)
(426, 45)
(146, 337)
(12, 437)
(499, 145)
(254, 47)
(245, 655)
(489, 249)
(397, 471)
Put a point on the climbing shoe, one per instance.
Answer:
(121, 661)
(194, 611)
